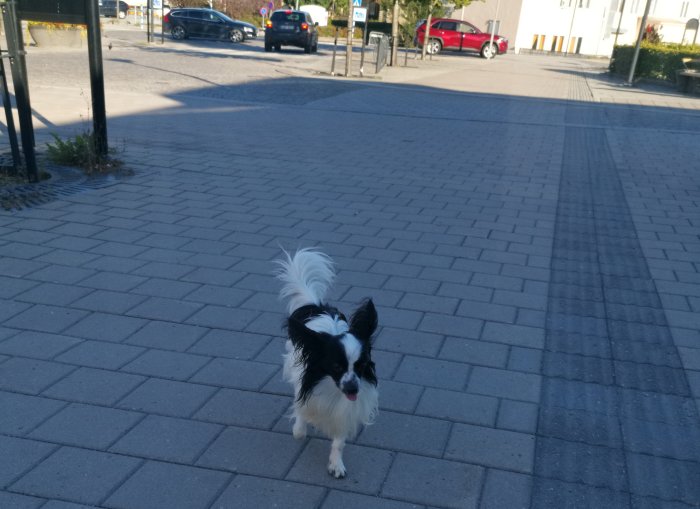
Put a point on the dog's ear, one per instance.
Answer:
(364, 321)
(301, 335)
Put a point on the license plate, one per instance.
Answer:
(287, 26)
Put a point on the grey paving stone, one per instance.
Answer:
(525, 359)
(575, 395)
(248, 451)
(410, 342)
(179, 486)
(52, 294)
(247, 492)
(345, 500)
(236, 345)
(76, 475)
(100, 354)
(407, 433)
(167, 335)
(451, 325)
(458, 406)
(394, 396)
(159, 308)
(679, 442)
(366, 467)
(106, 327)
(221, 317)
(581, 463)
(433, 481)
(664, 478)
(87, 385)
(432, 373)
(164, 364)
(86, 426)
(517, 416)
(474, 352)
(108, 302)
(261, 410)
(30, 375)
(647, 377)
(580, 426)
(517, 335)
(37, 345)
(167, 397)
(578, 367)
(20, 455)
(23, 413)
(113, 281)
(506, 384)
(41, 318)
(491, 447)
(553, 493)
(235, 374)
(15, 501)
(167, 439)
(506, 489)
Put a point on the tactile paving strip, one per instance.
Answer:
(616, 421)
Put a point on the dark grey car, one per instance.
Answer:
(208, 23)
(291, 28)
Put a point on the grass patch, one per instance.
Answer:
(81, 152)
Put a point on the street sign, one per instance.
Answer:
(359, 14)
(270, 5)
(263, 11)
(357, 3)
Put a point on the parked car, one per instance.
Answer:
(108, 8)
(461, 36)
(201, 22)
(286, 27)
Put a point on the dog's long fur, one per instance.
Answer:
(328, 359)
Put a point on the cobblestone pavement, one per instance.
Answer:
(530, 231)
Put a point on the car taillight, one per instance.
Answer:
(268, 24)
(304, 26)
(166, 18)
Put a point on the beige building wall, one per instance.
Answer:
(479, 14)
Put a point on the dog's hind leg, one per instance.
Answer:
(299, 428)
(335, 462)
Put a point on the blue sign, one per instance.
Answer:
(357, 3)
(263, 11)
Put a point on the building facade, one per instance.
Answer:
(586, 27)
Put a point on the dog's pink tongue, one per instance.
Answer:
(351, 397)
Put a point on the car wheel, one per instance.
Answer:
(307, 47)
(489, 50)
(434, 46)
(268, 47)
(236, 35)
(178, 32)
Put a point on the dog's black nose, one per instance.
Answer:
(351, 387)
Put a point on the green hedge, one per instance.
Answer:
(373, 26)
(658, 61)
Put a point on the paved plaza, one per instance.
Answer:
(528, 227)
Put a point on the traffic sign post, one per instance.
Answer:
(359, 14)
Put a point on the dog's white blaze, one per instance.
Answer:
(353, 350)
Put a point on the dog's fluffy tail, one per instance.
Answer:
(307, 276)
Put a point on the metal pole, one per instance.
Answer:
(362, 51)
(395, 34)
(635, 57)
(348, 42)
(571, 27)
(335, 45)
(697, 27)
(97, 82)
(493, 28)
(619, 23)
(15, 46)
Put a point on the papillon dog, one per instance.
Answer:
(328, 359)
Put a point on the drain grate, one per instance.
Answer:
(63, 182)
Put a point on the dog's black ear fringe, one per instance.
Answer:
(364, 321)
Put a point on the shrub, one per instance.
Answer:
(80, 152)
(658, 61)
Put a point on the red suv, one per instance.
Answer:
(462, 36)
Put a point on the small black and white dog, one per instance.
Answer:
(328, 359)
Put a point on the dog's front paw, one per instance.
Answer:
(336, 469)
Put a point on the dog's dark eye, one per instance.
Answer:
(337, 368)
